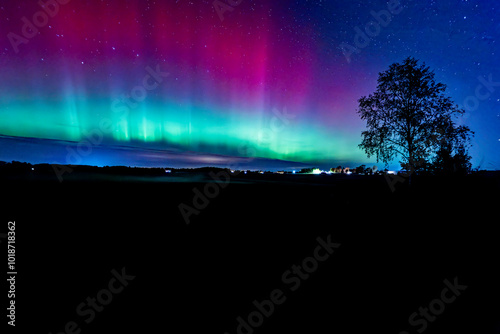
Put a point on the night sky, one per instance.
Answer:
(187, 83)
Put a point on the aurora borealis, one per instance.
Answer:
(271, 80)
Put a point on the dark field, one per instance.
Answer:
(396, 250)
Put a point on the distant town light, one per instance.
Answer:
(316, 171)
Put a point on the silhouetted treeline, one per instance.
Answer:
(24, 168)
(16, 168)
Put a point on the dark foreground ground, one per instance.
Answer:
(396, 251)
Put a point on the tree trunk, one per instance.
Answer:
(411, 162)
(409, 140)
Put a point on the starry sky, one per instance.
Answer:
(256, 84)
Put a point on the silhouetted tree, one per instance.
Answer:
(410, 116)
(360, 169)
(452, 155)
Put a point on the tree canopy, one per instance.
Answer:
(410, 116)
